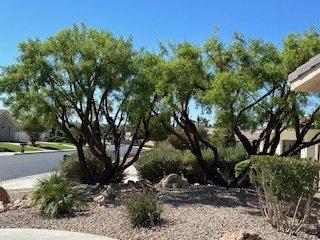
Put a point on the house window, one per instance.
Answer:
(3, 127)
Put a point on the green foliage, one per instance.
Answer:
(162, 160)
(56, 136)
(245, 71)
(222, 137)
(33, 125)
(286, 188)
(56, 196)
(175, 142)
(14, 147)
(285, 178)
(56, 146)
(157, 131)
(144, 209)
(202, 131)
(241, 166)
(64, 77)
(229, 157)
(70, 168)
(191, 168)
(184, 71)
(245, 68)
(56, 139)
(232, 155)
(298, 48)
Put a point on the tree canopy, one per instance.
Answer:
(94, 86)
(250, 91)
(82, 80)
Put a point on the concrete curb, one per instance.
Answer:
(40, 234)
(35, 152)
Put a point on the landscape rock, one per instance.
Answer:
(4, 196)
(2, 207)
(144, 184)
(99, 200)
(241, 235)
(172, 181)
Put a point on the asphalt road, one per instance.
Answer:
(23, 165)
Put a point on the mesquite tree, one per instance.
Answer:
(250, 90)
(183, 76)
(90, 84)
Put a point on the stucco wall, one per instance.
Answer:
(7, 129)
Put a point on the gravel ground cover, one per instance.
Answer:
(196, 212)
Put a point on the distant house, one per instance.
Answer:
(9, 127)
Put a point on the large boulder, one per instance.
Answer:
(241, 235)
(173, 180)
(4, 196)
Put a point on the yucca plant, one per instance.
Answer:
(144, 209)
(56, 196)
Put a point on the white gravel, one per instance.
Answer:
(195, 213)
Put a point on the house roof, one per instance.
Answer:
(304, 68)
(13, 120)
(2, 111)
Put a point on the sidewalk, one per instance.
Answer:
(31, 181)
(41, 234)
(24, 182)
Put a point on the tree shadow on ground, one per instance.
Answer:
(210, 195)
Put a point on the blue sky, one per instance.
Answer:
(151, 22)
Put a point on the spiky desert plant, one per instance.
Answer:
(144, 209)
(56, 196)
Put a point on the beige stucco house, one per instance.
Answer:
(9, 128)
(306, 78)
(287, 139)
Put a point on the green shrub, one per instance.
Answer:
(223, 137)
(191, 168)
(176, 142)
(70, 167)
(229, 157)
(143, 209)
(285, 187)
(57, 196)
(56, 139)
(162, 160)
(241, 166)
(157, 131)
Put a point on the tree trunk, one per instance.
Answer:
(85, 172)
(33, 140)
(212, 173)
(108, 172)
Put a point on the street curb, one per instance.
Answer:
(45, 151)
